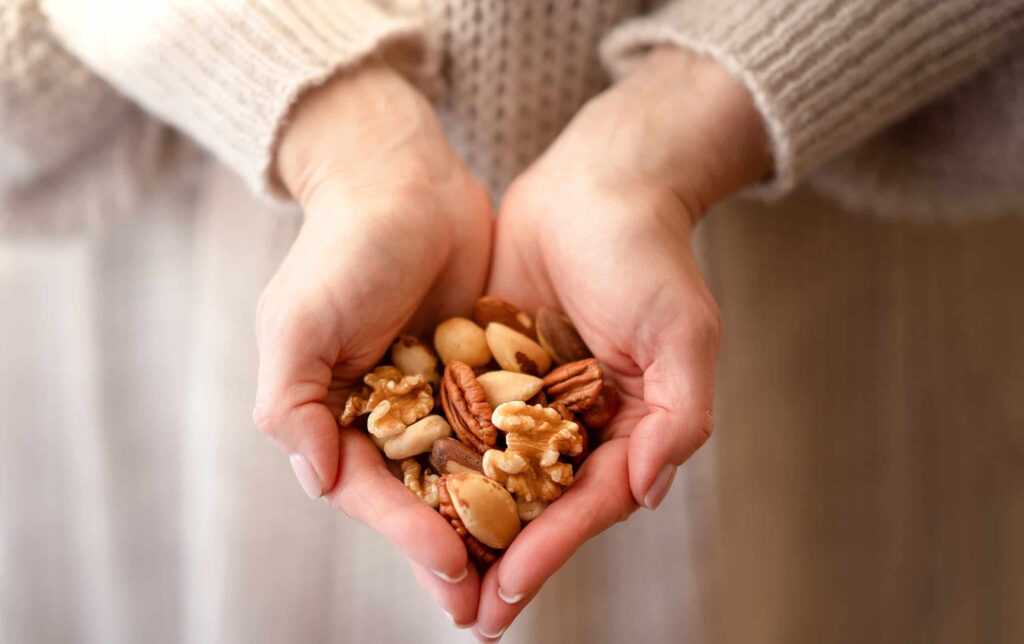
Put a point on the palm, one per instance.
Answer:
(617, 263)
(366, 266)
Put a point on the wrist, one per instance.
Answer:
(347, 126)
(683, 123)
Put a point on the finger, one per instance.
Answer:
(458, 600)
(678, 361)
(599, 498)
(502, 614)
(367, 492)
(293, 377)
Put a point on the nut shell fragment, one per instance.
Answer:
(462, 340)
(516, 352)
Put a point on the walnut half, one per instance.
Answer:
(529, 468)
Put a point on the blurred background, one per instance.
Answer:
(865, 481)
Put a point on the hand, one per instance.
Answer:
(601, 226)
(397, 234)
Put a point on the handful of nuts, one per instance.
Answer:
(521, 429)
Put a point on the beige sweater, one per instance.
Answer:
(903, 107)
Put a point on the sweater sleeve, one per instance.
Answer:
(227, 72)
(51, 106)
(828, 74)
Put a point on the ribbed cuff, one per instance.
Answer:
(827, 74)
(228, 72)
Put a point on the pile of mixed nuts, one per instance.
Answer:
(520, 427)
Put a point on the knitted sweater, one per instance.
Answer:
(894, 106)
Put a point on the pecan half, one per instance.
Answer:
(576, 385)
(466, 407)
(604, 408)
(478, 552)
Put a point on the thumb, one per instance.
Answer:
(290, 409)
(677, 356)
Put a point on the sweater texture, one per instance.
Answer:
(892, 106)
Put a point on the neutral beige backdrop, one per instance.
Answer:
(865, 482)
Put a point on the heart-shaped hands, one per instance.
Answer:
(398, 235)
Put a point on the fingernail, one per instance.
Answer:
(656, 493)
(308, 479)
(510, 599)
(449, 578)
(458, 625)
(494, 637)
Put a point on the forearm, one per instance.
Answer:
(825, 75)
(678, 122)
(228, 72)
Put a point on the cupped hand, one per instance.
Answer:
(397, 235)
(600, 226)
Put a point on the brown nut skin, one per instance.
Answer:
(485, 507)
(491, 308)
(480, 554)
(558, 336)
(604, 408)
(575, 385)
(516, 352)
(466, 407)
(449, 456)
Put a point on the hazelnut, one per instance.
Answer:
(516, 352)
(484, 507)
(504, 386)
(460, 339)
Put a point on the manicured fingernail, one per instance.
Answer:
(494, 637)
(308, 479)
(510, 599)
(656, 493)
(452, 580)
(458, 625)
